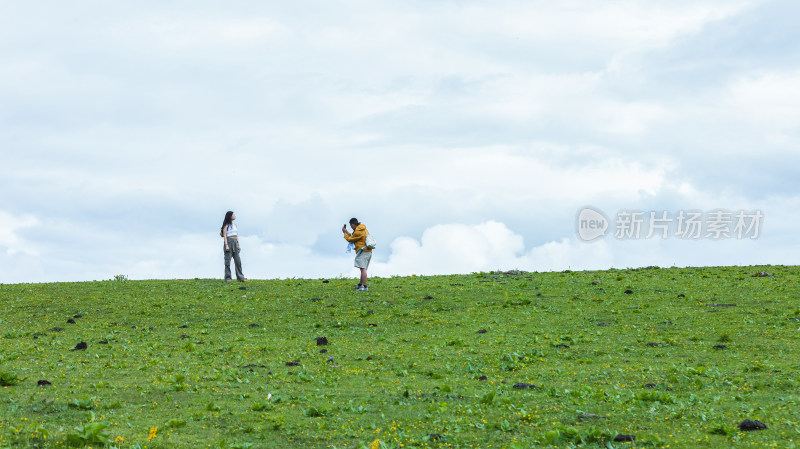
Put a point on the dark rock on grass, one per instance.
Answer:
(655, 345)
(56, 329)
(434, 437)
(323, 351)
(628, 292)
(596, 282)
(70, 321)
(681, 295)
(316, 299)
(80, 315)
(562, 346)
(372, 325)
(482, 331)
(428, 297)
(294, 363)
(749, 424)
(524, 386)
(43, 383)
(80, 346)
(242, 288)
(254, 325)
(720, 347)
(762, 274)
(483, 378)
(103, 342)
(322, 341)
(369, 357)
(603, 324)
(184, 336)
(584, 416)
(651, 385)
(251, 366)
(624, 438)
(325, 281)
(183, 327)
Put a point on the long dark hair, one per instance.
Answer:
(228, 221)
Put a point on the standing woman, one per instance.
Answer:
(230, 235)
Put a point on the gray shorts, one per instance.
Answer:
(362, 259)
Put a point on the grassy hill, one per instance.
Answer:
(673, 357)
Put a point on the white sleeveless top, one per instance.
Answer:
(232, 231)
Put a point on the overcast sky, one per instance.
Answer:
(466, 135)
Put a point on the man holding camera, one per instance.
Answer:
(363, 252)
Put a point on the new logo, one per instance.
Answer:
(591, 224)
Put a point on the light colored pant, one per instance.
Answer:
(233, 246)
(362, 259)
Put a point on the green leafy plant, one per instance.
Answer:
(82, 404)
(488, 398)
(90, 433)
(723, 429)
(654, 396)
(8, 379)
(175, 423)
(567, 434)
(212, 407)
(314, 412)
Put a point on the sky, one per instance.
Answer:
(467, 136)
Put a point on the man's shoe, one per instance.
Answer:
(362, 288)
(356, 287)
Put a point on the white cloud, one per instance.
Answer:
(423, 118)
(629, 22)
(10, 239)
(454, 248)
(768, 100)
(489, 246)
(203, 33)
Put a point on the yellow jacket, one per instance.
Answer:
(359, 237)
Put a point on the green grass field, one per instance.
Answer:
(674, 357)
